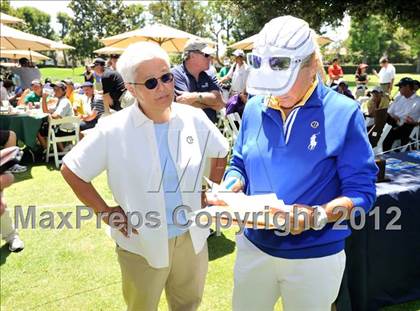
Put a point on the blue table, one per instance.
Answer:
(383, 266)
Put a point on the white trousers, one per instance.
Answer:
(303, 284)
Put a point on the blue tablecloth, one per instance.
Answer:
(383, 266)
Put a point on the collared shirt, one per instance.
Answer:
(64, 109)
(335, 70)
(313, 163)
(32, 98)
(185, 82)
(124, 145)
(27, 75)
(386, 74)
(402, 107)
(238, 74)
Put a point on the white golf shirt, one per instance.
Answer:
(386, 74)
(124, 145)
(403, 107)
(238, 74)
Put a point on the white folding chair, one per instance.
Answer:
(414, 141)
(53, 139)
(378, 149)
(232, 117)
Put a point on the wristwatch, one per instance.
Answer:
(319, 216)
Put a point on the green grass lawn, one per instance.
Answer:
(76, 74)
(77, 269)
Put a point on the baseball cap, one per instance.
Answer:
(377, 89)
(383, 59)
(238, 53)
(68, 82)
(98, 61)
(87, 84)
(341, 81)
(284, 42)
(405, 81)
(59, 84)
(363, 65)
(36, 82)
(196, 44)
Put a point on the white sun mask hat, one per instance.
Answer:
(278, 52)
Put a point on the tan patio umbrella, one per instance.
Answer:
(248, 43)
(170, 39)
(108, 50)
(16, 54)
(7, 19)
(13, 39)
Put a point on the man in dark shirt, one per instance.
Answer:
(198, 88)
(193, 85)
(112, 85)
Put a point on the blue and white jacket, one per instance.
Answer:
(319, 153)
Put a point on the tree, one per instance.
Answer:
(6, 8)
(36, 22)
(65, 21)
(372, 37)
(317, 13)
(224, 18)
(186, 15)
(98, 19)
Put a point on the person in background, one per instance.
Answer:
(7, 230)
(194, 86)
(335, 72)
(26, 73)
(93, 107)
(377, 101)
(112, 62)
(9, 139)
(112, 86)
(225, 69)
(386, 75)
(63, 109)
(88, 75)
(362, 80)
(343, 88)
(403, 114)
(33, 95)
(10, 92)
(237, 75)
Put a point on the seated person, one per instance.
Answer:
(62, 109)
(33, 95)
(378, 100)
(73, 97)
(403, 114)
(93, 107)
(9, 139)
(9, 92)
(343, 88)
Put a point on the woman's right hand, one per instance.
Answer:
(115, 217)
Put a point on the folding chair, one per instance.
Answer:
(53, 139)
(378, 149)
(414, 140)
(232, 117)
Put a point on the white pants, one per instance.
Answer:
(7, 230)
(303, 284)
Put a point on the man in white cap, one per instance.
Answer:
(237, 74)
(291, 144)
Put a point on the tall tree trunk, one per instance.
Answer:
(418, 63)
(65, 58)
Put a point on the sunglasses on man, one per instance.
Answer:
(153, 82)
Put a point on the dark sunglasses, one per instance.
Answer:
(153, 82)
(204, 54)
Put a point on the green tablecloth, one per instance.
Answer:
(24, 125)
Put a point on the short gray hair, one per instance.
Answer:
(137, 53)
